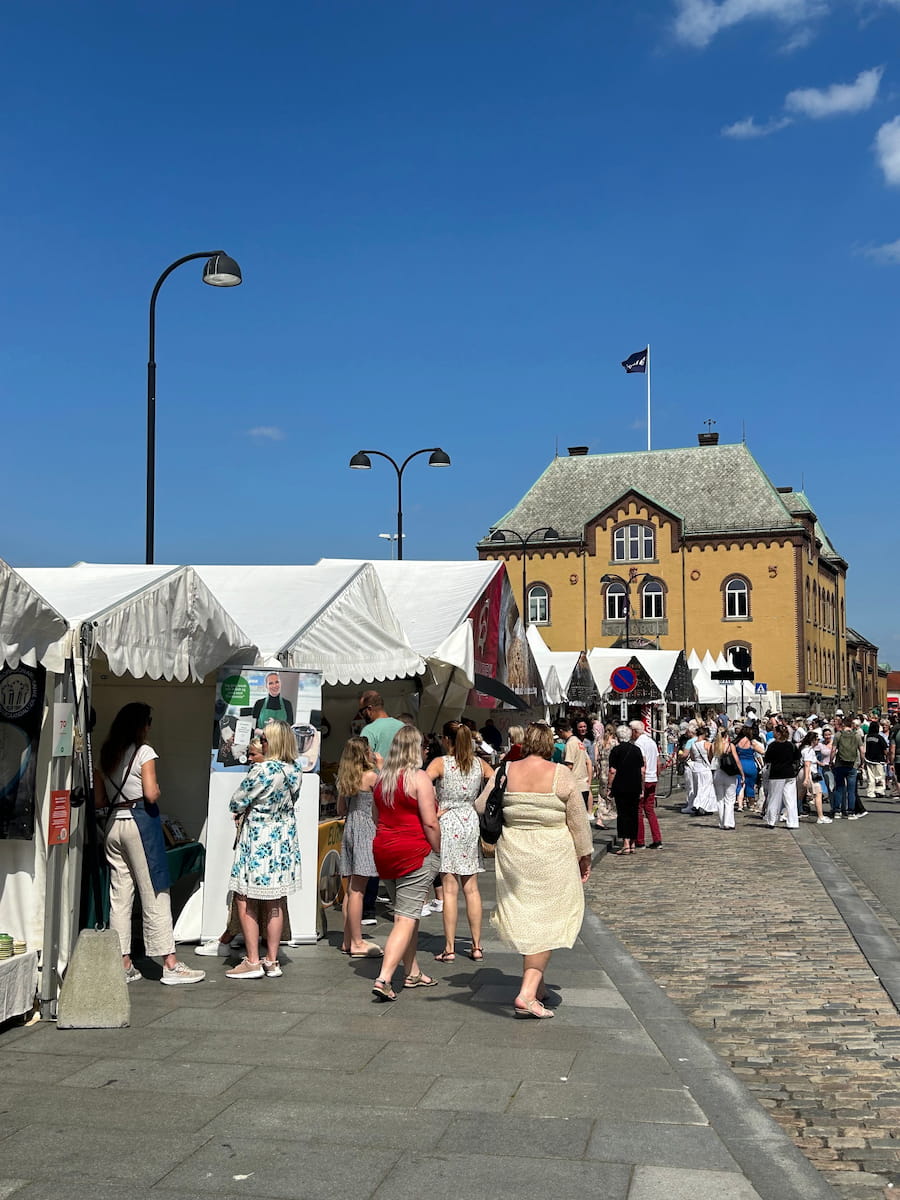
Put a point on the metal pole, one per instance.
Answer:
(56, 861)
(648, 395)
(524, 583)
(627, 616)
(151, 398)
(399, 511)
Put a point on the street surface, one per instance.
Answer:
(741, 934)
(305, 1088)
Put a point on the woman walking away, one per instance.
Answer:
(267, 854)
(135, 846)
(748, 746)
(407, 850)
(701, 764)
(811, 775)
(543, 858)
(458, 777)
(356, 777)
(782, 759)
(626, 784)
(727, 770)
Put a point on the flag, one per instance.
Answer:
(636, 362)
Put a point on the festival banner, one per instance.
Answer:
(21, 713)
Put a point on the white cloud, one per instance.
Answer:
(888, 253)
(267, 433)
(748, 128)
(698, 21)
(887, 150)
(838, 98)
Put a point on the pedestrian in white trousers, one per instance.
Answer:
(782, 792)
(726, 782)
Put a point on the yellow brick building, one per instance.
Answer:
(681, 549)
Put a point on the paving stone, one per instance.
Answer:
(659, 1145)
(345, 1124)
(102, 1108)
(280, 1169)
(179, 1076)
(350, 1053)
(96, 1152)
(473, 1093)
(675, 1183)
(502, 1177)
(202, 1020)
(101, 1043)
(494, 1062)
(530, 1137)
(574, 1099)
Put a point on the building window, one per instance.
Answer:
(616, 602)
(538, 604)
(653, 600)
(736, 590)
(634, 543)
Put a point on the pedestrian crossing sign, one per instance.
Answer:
(760, 688)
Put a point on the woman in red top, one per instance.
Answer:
(407, 854)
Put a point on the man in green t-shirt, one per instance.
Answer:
(379, 729)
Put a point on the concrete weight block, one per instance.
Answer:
(94, 994)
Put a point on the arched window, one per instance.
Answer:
(807, 600)
(736, 591)
(538, 604)
(616, 602)
(653, 600)
(816, 664)
(634, 543)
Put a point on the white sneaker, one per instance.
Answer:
(426, 910)
(856, 816)
(824, 821)
(214, 947)
(246, 970)
(132, 974)
(368, 921)
(437, 906)
(181, 973)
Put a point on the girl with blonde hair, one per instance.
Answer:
(459, 777)
(406, 850)
(267, 855)
(356, 777)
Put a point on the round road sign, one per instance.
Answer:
(623, 680)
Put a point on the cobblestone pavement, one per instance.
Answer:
(737, 929)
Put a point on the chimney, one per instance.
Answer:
(577, 451)
(708, 439)
(785, 491)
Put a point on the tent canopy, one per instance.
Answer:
(555, 666)
(333, 617)
(159, 622)
(31, 629)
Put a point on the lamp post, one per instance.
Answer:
(219, 271)
(500, 535)
(633, 576)
(392, 538)
(361, 462)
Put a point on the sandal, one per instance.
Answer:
(420, 980)
(533, 1008)
(619, 853)
(445, 956)
(476, 954)
(372, 951)
(382, 990)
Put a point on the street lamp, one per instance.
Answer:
(219, 271)
(392, 538)
(361, 462)
(550, 535)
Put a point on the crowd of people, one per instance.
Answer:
(411, 803)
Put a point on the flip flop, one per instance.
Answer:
(372, 952)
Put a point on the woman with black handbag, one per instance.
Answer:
(727, 769)
(135, 845)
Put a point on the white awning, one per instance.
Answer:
(659, 665)
(31, 629)
(153, 621)
(333, 617)
(555, 666)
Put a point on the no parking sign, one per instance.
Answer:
(623, 680)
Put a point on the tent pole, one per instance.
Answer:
(56, 860)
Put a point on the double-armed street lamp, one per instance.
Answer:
(219, 271)
(550, 535)
(633, 575)
(361, 462)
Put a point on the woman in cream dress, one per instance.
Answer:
(543, 858)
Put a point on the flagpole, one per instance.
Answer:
(648, 395)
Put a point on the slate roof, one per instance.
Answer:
(712, 488)
(827, 551)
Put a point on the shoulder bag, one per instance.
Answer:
(490, 818)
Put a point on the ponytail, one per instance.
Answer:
(460, 738)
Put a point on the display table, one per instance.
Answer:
(183, 860)
(18, 984)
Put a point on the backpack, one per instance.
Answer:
(848, 748)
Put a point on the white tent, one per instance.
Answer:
(693, 660)
(31, 629)
(659, 665)
(333, 617)
(709, 691)
(546, 659)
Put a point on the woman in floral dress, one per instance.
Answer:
(267, 854)
(458, 778)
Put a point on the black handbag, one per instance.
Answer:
(491, 820)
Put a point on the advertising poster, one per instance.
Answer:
(21, 713)
(246, 699)
(485, 617)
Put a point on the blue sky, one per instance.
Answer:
(454, 218)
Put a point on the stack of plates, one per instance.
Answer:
(19, 947)
(6, 945)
